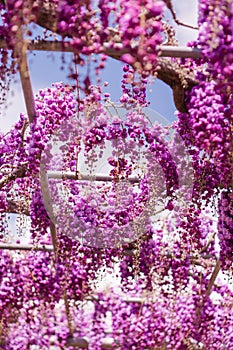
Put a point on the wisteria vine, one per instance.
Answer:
(136, 252)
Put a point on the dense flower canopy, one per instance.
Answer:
(158, 223)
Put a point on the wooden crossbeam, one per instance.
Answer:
(83, 343)
(86, 177)
(44, 248)
(117, 51)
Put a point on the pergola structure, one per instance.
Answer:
(167, 72)
(56, 46)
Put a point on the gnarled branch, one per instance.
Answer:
(15, 174)
(17, 207)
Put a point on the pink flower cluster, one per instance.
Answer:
(43, 295)
(215, 38)
(207, 128)
(139, 24)
(225, 227)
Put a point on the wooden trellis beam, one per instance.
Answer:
(83, 343)
(117, 51)
(127, 252)
(171, 73)
(26, 247)
(42, 247)
(85, 177)
(20, 51)
(109, 343)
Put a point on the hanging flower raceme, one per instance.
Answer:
(136, 28)
(92, 28)
(215, 39)
(100, 217)
(225, 228)
(119, 205)
(11, 288)
(21, 150)
(140, 26)
(38, 215)
(172, 320)
(207, 131)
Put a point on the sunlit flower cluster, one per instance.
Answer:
(142, 223)
(215, 39)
